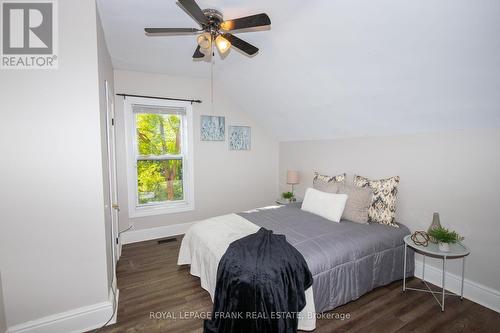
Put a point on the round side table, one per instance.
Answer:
(284, 202)
(457, 251)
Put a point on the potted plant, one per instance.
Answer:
(445, 237)
(288, 196)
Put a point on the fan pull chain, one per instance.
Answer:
(212, 79)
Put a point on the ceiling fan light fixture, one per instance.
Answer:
(222, 44)
(204, 41)
(226, 25)
(213, 29)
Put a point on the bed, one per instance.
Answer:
(346, 259)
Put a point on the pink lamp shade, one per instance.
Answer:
(292, 177)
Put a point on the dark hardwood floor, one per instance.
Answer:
(150, 282)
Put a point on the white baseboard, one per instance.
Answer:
(473, 291)
(141, 235)
(74, 321)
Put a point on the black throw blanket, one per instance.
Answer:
(261, 283)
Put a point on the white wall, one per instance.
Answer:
(225, 181)
(453, 173)
(52, 237)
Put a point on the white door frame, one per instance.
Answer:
(113, 184)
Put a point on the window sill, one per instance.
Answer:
(165, 209)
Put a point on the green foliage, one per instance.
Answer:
(159, 135)
(152, 181)
(150, 176)
(288, 195)
(444, 235)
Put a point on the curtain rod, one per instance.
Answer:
(167, 98)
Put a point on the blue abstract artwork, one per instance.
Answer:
(239, 138)
(213, 128)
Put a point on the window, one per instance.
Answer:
(159, 147)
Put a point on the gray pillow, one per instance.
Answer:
(328, 184)
(359, 201)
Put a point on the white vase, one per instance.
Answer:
(444, 247)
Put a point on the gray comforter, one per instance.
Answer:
(346, 259)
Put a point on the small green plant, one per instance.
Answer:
(288, 195)
(444, 235)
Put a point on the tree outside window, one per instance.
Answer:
(159, 157)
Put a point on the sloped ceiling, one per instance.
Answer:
(329, 69)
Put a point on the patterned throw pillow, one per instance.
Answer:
(328, 184)
(383, 207)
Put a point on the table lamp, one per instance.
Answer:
(292, 178)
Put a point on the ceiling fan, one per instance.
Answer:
(214, 30)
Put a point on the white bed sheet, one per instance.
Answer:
(206, 242)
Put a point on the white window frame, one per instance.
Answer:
(136, 210)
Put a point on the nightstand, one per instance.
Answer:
(432, 250)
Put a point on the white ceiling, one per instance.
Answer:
(329, 69)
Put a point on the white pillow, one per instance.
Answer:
(327, 205)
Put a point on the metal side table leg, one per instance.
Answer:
(423, 268)
(404, 270)
(444, 286)
(463, 275)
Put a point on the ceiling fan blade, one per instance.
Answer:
(194, 10)
(258, 20)
(241, 44)
(170, 31)
(197, 53)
